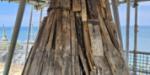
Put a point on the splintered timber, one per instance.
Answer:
(77, 37)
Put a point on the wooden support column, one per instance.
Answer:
(40, 19)
(14, 36)
(29, 33)
(127, 30)
(117, 19)
(135, 38)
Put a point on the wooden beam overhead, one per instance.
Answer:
(38, 4)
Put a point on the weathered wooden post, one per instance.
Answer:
(29, 33)
(135, 38)
(40, 18)
(127, 30)
(14, 36)
(78, 37)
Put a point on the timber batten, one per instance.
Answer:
(78, 37)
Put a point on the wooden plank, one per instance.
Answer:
(76, 5)
(83, 61)
(66, 39)
(58, 46)
(75, 61)
(87, 44)
(96, 40)
(114, 57)
(92, 12)
(84, 11)
(66, 4)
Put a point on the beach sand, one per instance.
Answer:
(16, 69)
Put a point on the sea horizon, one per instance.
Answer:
(143, 36)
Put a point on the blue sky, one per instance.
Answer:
(8, 13)
(143, 14)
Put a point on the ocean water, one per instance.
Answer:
(23, 34)
(143, 36)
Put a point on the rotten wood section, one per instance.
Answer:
(78, 37)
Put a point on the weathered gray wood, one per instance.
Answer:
(96, 40)
(75, 63)
(78, 37)
(76, 5)
(114, 58)
(84, 10)
(88, 46)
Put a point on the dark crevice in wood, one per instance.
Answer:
(81, 65)
(54, 38)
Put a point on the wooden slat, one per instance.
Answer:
(88, 45)
(96, 40)
(76, 5)
(66, 4)
(114, 57)
(84, 10)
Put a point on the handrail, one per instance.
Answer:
(140, 52)
(142, 62)
(142, 71)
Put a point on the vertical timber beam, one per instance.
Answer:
(40, 19)
(29, 33)
(117, 20)
(135, 38)
(14, 36)
(127, 29)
